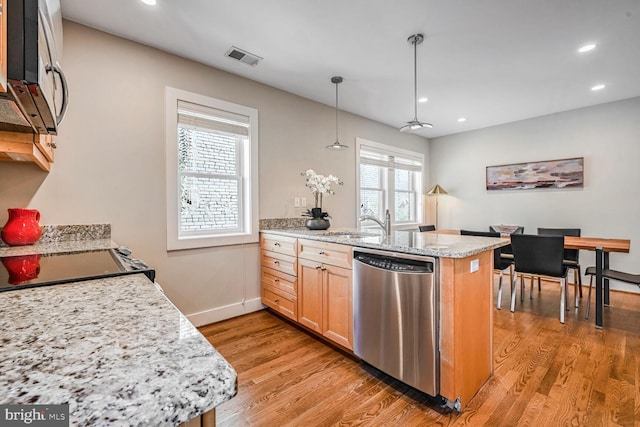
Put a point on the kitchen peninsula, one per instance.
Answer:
(465, 265)
(116, 350)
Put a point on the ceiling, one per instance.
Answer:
(490, 61)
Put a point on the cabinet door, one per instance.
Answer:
(3, 45)
(338, 306)
(310, 294)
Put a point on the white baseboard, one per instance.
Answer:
(226, 312)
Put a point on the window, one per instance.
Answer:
(390, 178)
(212, 171)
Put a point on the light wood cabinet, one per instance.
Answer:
(279, 282)
(3, 45)
(24, 147)
(325, 291)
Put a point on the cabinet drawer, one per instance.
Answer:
(327, 253)
(279, 280)
(281, 302)
(284, 263)
(280, 244)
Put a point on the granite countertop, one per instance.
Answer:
(57, 247)
(116, 350)
(410, 242)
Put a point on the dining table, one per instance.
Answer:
(602, 248)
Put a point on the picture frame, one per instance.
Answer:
(561, 173)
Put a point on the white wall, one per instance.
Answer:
(606, 135)
(110, 164)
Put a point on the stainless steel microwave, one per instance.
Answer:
(37, 98)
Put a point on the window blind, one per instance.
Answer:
(200, 117)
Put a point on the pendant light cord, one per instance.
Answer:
(415, 79)
(336, 111)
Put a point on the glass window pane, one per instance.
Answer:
(372, 203)
(208, 204)
(403, 179)
(404, 206)
(370, 176)
(208, 152)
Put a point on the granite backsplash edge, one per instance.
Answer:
(72, 233)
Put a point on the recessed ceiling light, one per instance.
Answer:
(423, 99)
(587, 48)
(462, 119)
(598, 87)
(149, 2)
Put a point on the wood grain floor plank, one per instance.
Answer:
(545, 373)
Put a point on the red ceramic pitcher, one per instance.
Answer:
(22, 227)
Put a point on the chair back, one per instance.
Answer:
(536, 254)
(427, 227)
(497, 253)
(569, 254)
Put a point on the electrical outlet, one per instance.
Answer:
(475, 265)
(304, 202)
(296, 202)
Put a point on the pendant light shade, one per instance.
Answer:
(415, 124)
(336, 145)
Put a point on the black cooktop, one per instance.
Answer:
(28, 271)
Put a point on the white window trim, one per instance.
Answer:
(392, 150)
(250, 196)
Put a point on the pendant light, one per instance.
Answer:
(415, 124)
(336, 145)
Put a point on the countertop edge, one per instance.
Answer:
(476, 245)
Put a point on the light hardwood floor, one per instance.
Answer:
(545, 373)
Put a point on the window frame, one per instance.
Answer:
(248, 196)
(389, 190)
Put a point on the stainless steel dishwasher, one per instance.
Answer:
(396, 318)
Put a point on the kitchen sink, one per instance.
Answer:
(350, 234)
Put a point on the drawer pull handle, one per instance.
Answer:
(321, 253)
(276, 280)
(323, 268)
(277, 300)
(276, 244)
(276, 262)
(319, 267)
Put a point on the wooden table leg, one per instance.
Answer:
(606, 281)
(599, 262)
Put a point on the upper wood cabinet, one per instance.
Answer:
(24, 147)
(3, 45)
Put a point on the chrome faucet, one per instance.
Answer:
(386, 225)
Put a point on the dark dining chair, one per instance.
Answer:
(507, 252)
(609, 273)
(500, 264)
(571, 256)
(427, 227)
(540, 256)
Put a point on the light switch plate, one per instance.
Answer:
(475, 265)
(304, 202)
(296, 202)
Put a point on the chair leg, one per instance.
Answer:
(513, 293)
(589, 297)
(539, 287)
(575, 292)
(531, 291)
(563, 286)
(521, 288)
(499, 304)
(566, 293)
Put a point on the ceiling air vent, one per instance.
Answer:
(243, 56)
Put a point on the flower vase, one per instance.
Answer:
(22, 227)
(317, 224)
